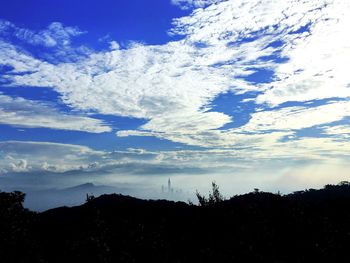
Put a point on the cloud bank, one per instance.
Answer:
(42, 169)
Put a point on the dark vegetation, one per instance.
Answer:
(306, 226)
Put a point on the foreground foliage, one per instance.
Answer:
(306, 226)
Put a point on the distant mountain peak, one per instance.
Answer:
(83, 186)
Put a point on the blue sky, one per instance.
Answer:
(244, 92)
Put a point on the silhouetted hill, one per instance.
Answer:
(42, 200)
(305, 226)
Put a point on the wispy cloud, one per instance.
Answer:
(296, 118)
(187, 4)
(54, 35)
(21, 112)
(342, 131)
(53, 44)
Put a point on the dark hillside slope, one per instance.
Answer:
(306, 226)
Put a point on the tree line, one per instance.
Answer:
(304, 226)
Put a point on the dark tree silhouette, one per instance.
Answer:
(17, 240)
(305, 226)
(214, 196)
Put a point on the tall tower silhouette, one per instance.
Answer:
(169, 185)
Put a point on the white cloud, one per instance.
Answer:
(186, 4)
(216, 138)
(317, 60)
(114, 45)
(20, 112)
(264, 129)
(143, 82)
(296, 118)
(20, 166)
(53, 44)
(43, 156)
(20, 61)
(342, 131)
(231, 21)
(54, 35)
(173, 85)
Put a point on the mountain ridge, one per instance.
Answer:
(305, 226)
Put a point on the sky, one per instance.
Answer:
(126, 94)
